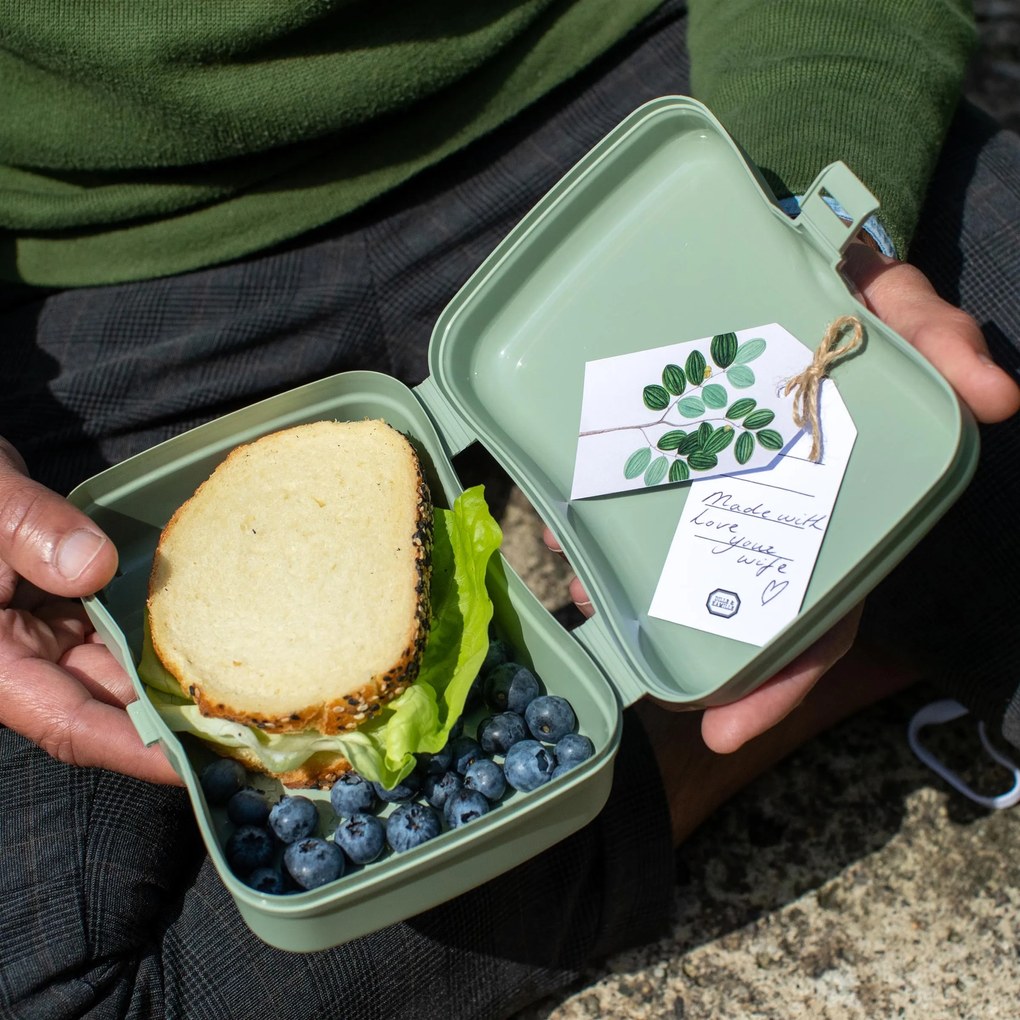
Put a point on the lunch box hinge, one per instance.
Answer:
(453, 430)
(596, 640)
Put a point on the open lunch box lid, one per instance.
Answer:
(662, 233)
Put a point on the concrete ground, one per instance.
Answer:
(850, 882)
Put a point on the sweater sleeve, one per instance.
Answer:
(802, 83)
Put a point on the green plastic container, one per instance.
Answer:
(662, 228)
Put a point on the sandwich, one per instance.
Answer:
(310, 610)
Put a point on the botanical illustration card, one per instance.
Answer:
(688, 410)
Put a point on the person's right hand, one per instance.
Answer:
(59, 685)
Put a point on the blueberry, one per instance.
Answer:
(438, 789)
(407, 789)
(465, 752)
(313, 862)
(266, 880)
(465, 806)
(500, 732)
(293, 818)
(435, 764)
(511, 687)
(496, 654)
(550, 717)
(362, 837)
(411, 825)
(249, 847)
(572, 749)
(248, 807)
(528, 765)
(352, 793)
(221, 779)
(487, 778)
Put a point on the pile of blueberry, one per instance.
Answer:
(524, 739)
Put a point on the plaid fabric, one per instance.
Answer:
(952, 604)
(108, 906)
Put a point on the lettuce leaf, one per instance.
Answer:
(420, 719)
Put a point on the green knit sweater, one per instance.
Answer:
(148, 138)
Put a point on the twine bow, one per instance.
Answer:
(805, 385)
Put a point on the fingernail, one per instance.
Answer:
(76, 552)
(985, 360)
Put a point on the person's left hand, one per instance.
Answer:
(951, 340)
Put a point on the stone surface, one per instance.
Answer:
(849, 883)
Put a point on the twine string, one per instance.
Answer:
(805, 386)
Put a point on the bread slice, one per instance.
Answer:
(322, 769)
(291, 592)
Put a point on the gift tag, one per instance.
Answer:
(746, 545)
(690, 410)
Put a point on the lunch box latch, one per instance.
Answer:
(144, 722)
(834, 208)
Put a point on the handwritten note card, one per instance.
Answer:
(746, 545)
(686, 410)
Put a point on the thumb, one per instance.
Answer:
(46, 540)
(900, 295)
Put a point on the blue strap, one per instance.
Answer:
(871, 226)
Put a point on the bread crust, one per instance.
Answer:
(332, 715)
(321, 770)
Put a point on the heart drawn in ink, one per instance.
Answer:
(772, 589)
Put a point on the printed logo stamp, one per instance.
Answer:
(723, 603)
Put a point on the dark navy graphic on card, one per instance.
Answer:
(723, 603)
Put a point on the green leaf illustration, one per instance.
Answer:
(702, 461)
(656, 471)
(714, 395)
(695, 366)
(637, 462)
(679, 471)
(688, 445)
(744, 448)
(718, 440)
(705, 430)
(691, 407)
(724, 349)
(655, 397)
(740, 376)
(749, 351)
(759, 419)
(671, 440)
(745, 405)
(673, 379)
(770, 439)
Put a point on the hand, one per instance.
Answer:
(951, 340)
(901, 296)
(59, 685)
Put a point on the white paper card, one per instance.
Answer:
(746, 545)
(636, 408)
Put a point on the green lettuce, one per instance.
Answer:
(417, 721)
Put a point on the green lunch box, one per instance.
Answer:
(663, 229)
